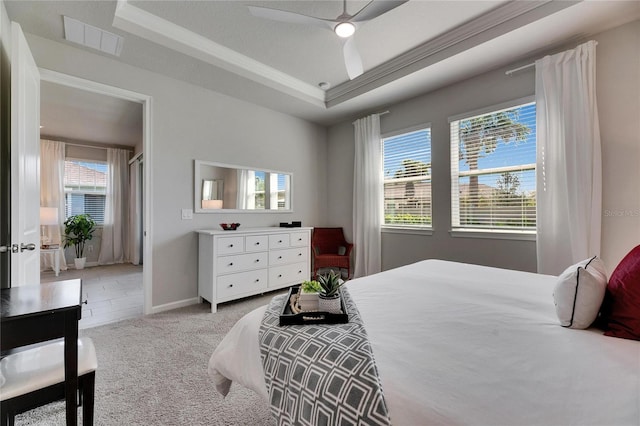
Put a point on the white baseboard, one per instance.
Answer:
(174, 305)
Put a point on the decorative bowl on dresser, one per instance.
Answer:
(251, 261)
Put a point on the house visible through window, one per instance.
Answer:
(407, 178)
(85, 188)
(493, 170)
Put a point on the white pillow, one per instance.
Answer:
(579, 293)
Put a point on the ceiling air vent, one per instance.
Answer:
(90, 36)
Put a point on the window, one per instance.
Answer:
(272, 191)
(85, 188)
(407, 178)
(493, 170)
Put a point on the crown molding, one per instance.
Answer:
(492, 24)
(153, 28)
(498, 21)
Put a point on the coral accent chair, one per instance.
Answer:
(330, 250)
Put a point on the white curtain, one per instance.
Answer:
(135, 212)
(569, 165)
(367, 196)
(246, 189)
(114, 247)
(273, 191)
(52, 155)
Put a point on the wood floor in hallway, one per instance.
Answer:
(112, 292)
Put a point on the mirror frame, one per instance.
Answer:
(197, 188)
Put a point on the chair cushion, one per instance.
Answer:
(32, 369)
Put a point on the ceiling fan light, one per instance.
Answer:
(345, 29)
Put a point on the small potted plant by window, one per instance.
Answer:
(308, 299)
(329, 295)
(77, 230)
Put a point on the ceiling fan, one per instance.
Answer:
(344, 25)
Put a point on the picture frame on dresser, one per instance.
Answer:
(245, 262)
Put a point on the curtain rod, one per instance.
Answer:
(87, 145)
(375, 113)
(524, 67)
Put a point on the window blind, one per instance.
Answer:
(493, 176)
(407, 179)
(85, 186)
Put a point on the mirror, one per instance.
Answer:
(222, 187)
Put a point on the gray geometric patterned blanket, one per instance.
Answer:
(321, 374)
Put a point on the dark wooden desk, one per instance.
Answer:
(37, 313)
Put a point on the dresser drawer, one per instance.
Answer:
(230, 245)
(280, 257)
(241, 262)
(256, 243)
(277, 241)
(299, 239)
(281, 276)
(251, 282)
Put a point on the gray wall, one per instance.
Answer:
(618, 94)
(618, 74)
(190, 123)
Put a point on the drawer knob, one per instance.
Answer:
(230, 245)
(299, 272)
(279, 257)
(258, 243)
(257, 280)
(257, 260)
(299, 239)
(279, 275)
(231, 264)
(299, 254)
(230, 285)
(280, 241)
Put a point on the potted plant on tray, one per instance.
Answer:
(77, 230)
(308, 299)
(329, 295)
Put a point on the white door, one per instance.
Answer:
(25, 162)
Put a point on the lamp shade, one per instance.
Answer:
(211, 204)
(48, 215)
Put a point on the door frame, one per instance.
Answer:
(147, 107)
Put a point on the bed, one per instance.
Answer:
(465, 344)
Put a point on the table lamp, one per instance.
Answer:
(48, 216)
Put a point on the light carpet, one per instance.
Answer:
(153, 371)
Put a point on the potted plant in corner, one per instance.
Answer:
(329, 295)
(77, 230)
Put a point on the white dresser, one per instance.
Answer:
(241, 263)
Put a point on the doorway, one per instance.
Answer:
(80, 86)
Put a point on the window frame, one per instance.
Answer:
(479, 232)
(89, 192)
(406, 228)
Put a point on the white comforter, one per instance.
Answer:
(466, 344)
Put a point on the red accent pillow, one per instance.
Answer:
(621, 306)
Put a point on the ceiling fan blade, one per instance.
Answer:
(375, 8)
(352, 59)
(290, 17)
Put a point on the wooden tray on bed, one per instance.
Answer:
(287, 317)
